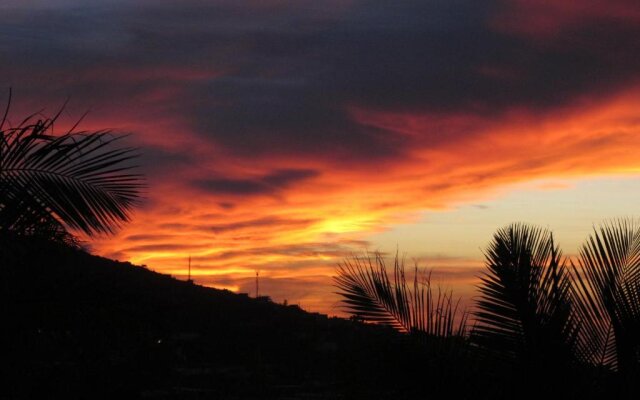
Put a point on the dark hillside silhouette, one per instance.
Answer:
(81, 326)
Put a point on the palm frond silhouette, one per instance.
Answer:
(608, 287)
(371, 295)
(524, 312)
(52, 184)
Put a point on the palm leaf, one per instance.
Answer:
(371, 295)
(608, 273)
(524, 309)
(76, 181)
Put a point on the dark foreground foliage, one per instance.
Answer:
(54, 186)
(540, 324)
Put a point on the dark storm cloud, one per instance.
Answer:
(271, 183)
(160, 160)
(415, 57)
(279, 78)
(276, 116)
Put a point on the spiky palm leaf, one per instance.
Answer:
(608, 276)
(50, 184)
(370, 294)
(524, 309)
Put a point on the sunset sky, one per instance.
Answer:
(283, 136)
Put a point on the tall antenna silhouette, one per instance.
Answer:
(189, 278)
(257, 284)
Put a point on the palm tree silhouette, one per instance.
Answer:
(524, 313)
(51, 185)
(538, 318)
(608, 286)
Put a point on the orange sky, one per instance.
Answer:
(283, 136)
(298, 234)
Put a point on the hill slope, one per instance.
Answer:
(85, 326)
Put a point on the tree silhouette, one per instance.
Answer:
(371, 295)
(524, 312)
(608, 286)
(52, 185)
(534, 310)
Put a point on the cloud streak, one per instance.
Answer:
(271, 183)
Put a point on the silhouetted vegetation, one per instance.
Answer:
(428, 313)
(53, 184)
(540, 322)
(524, 318)
(608, 294)
(372, 296)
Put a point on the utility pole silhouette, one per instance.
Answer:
(257, 284)
(189, 280)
